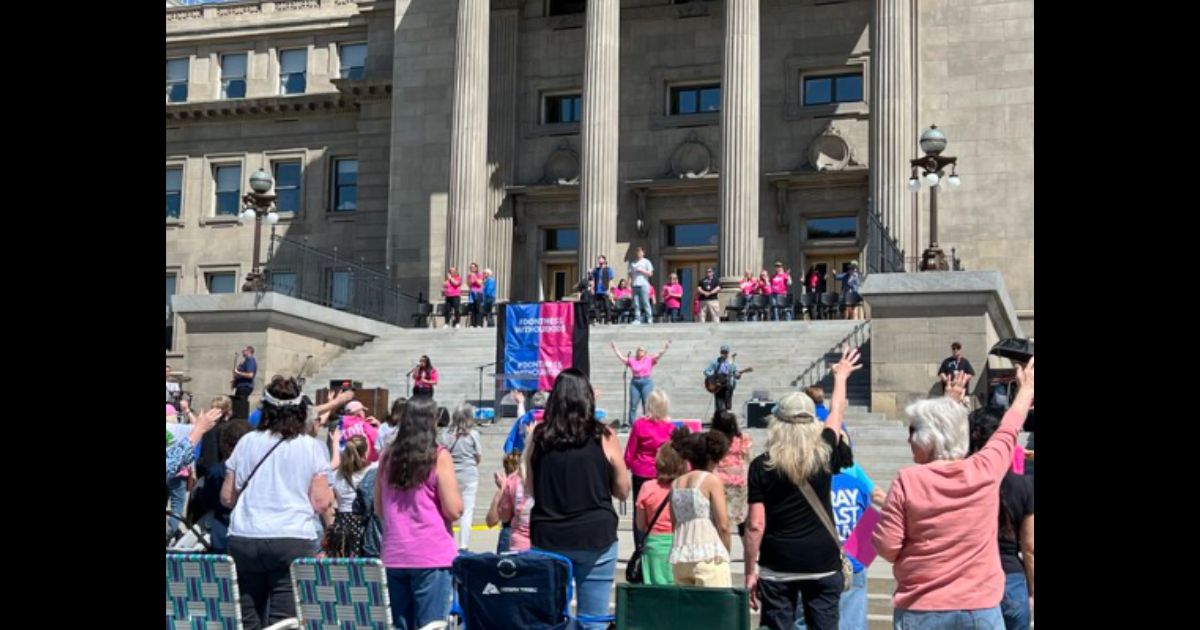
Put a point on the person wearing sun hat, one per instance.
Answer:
(790, 554)
(851, 282)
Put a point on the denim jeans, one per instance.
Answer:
(981, 619)
(852, 607)
(816, 601)
(1015, 605)
(419, 596)
(504, 542)
(641, 305)
(639, 389)
(218, 532)
(673, 315)
(489, 307)
(177, 492)
(594, 572)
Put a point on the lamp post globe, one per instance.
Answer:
(933, 141)
(261, 181)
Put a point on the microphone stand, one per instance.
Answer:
(481, 369)
(408, 382)
(625, 386)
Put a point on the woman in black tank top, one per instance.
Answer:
(577, 468)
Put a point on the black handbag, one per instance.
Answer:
(633, 569)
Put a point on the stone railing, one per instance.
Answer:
(187, 10)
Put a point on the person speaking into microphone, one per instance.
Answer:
(424, 377)
(641, 364)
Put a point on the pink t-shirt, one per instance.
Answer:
(431, 378)
(450, 290)
(648, 499)
(415, 536)
(748, 287)
(475, 281)
(642, 367)
(764, 286)
(619, 293)
(733, 467)
(354, 425)
(1018, 466)
(938, 527)
(517, 506)
(642, 446)
(780, 282)
(672, 294)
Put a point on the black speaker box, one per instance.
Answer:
(757, 412)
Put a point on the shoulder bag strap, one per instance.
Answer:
(256, 467)
(810, 495)
(650, 523)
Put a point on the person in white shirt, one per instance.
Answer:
(641, 270)
(172, 389)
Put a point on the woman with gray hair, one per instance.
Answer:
(461, 439)
(785, 536)
(939, 524)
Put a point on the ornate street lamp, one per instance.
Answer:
(933, 170)
(257, 204)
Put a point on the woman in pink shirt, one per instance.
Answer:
(641, 364)
(425, 376)
(781, 283)
(416, 500)
(648, 434)
(672, 296)
(622, 290)
(475, 286)
(939, 525)
(748, 284)
(452, 291)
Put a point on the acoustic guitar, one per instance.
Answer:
(718, 381)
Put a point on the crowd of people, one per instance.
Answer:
(957, 526)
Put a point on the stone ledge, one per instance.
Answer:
(239, 312)
(926, 294)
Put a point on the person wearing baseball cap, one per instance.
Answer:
(722, 373)
(792, 549)
(357, 422)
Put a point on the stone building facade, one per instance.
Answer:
(531, 135)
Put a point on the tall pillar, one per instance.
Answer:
(466, 215)
(501, 146)
(598, 176)
(893, 123)
(740, 178)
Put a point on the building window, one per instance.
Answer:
(339, 289)
(345, 185)
(284, 283)
(692, 235)
(562, 108)
(562, 239)
(171, 282)
(841, 228)
(174, 191)
(233, 76)
(695, 99)
(292, 66)
(565, 7)
(228, 189)
(220, 282)
(177, 80)
(287, 186)
(834, 88)
(354, 60)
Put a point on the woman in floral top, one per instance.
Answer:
(733, 467)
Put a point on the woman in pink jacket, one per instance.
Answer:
(648, 434)
(939, 524)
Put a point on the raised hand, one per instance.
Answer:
(847, 364)
(518, 397)
(1025, 375)
(956, 387)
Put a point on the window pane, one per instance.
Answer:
(233, 66)
(229, 180)
(284, 283)
(174, 191)
(170, 339)
(687, 102)
(566, 7)
(177, 70)
(233, 88)
(177, 93)
(564, 108)
(220, 282)
(818, 91)
(339, 289)
(353, 58)
(563, 238)
(292, 84)
(345, 185)
(710, 100)
(849, 88)
(833, 227)
(692, 234)
(293, 61)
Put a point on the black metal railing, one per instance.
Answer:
(883, 253)
(819, 368)
(299, 270)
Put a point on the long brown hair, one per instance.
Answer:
(354, 458)
(414, 451)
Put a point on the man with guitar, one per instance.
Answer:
(243, 383)
(720, 378)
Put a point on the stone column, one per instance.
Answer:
(740, 178)
(893, 125)
(501, 149)
(466, 215)
(598, 175)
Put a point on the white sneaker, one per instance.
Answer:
(445, 325)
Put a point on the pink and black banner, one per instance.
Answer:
(537, 341)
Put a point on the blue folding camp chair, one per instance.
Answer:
(202, 592)
(532, 589)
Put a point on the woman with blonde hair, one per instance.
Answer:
(461, 440)
(647, 436)
(792, 551)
